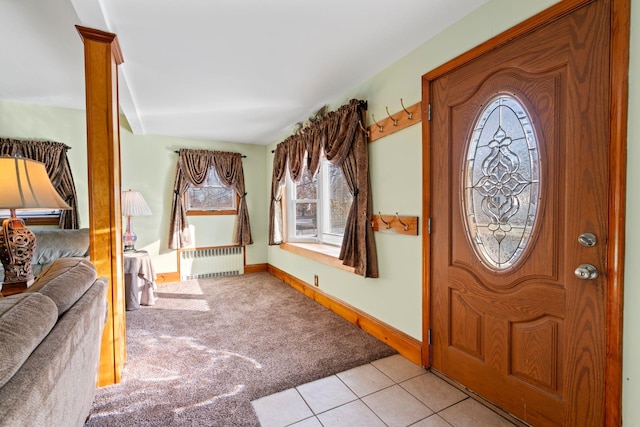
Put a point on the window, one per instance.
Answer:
(212, 198)
(502, 183)
(34, 216)
(317, 208)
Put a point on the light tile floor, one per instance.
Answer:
(388, 392)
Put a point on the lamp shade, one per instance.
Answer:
(26, 185)
(133, 204)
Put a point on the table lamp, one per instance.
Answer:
(25, 185)
(133, 204)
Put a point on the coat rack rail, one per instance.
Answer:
(404, 118)
(401, 224)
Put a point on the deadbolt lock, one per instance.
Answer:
(587, 239)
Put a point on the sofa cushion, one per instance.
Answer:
(56, 243)
(65, 280)
(25, 319)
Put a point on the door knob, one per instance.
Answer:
(586, 272)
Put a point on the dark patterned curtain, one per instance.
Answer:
(193, 166)
(277, 184)
(54, 157)
(337, 135)
(229, 169)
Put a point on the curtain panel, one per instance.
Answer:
(193, 166)
(54, 156)
(277, 185)
(344, 144)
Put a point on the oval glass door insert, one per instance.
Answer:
(501, 183)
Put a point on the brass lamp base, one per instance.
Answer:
(17, 244)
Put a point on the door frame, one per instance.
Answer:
(618, 89)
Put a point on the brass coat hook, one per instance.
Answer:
(395, 121)
(370, 220)
(406, 226)
(366, 133)
(405, 110)
(388, 224)
(380, 128)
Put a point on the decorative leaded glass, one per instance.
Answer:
(501, 183)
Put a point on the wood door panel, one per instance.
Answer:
(514, 336)
(540, 93)
(510, 391)
(530, 301)
(466, 326)
(530, 354)
(535, 355)
(526, 334)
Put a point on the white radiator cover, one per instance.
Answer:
(200, 263)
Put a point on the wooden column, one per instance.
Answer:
(102, 57)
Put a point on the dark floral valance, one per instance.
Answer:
(344, 144)
(193, 166)
(54, 156)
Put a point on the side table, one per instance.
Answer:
(139, 279)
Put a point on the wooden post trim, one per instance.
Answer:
(102, 57)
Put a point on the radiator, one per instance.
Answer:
(200, 263)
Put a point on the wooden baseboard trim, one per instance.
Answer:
(175, 276)
(255, 268)
(404, 344)
(167, 277)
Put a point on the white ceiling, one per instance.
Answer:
(226, 70)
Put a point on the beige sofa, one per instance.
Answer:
(50, 346)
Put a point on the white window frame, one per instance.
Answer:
(323, 210)
(35, 216)
(224, 210)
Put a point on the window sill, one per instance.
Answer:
(211, 212)
(39, 220)
(319, 252)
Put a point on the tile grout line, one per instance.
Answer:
(358, 398)
(393, 383)
(467, 396)
(363, 402)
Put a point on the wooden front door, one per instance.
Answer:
(519, 146)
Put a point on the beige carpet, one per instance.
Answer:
(208, 347)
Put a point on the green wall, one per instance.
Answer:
(396, 173)
(24, 121)
(148, 164)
